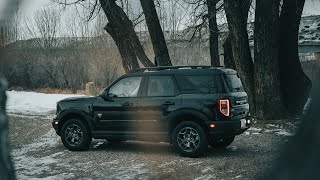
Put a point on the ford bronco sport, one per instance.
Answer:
(189, 106)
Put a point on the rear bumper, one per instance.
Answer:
(224, 129)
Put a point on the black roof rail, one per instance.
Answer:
(159, 68)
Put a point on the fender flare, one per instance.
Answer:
(173, 118)
(77, 112)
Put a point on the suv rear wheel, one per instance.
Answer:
(223, 143)
(189, 139)
(75, 135)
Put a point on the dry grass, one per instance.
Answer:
(59, 91)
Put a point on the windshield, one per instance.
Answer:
(234, 83)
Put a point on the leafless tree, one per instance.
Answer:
(237, 23)
(45, 29)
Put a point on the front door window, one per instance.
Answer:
(127, 87)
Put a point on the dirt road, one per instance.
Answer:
(38, 153)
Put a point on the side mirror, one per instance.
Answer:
(107, 96)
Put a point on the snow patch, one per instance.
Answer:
(30, 166)
(46, 141)
(233, 148)
(195, 163)
(205, 177)
(237, 177)
(284, 133)
(255, 129)
(168, 164)
(133, 171)
(21, 102)
(206, 170)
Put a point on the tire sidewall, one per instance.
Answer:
(86, 141)
(202, 148)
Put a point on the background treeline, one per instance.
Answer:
(86, 53)
(260, 39)
(46, 51)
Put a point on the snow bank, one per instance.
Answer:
(20, 102)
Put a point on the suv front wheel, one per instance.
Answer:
(75, 135)
(189, 139)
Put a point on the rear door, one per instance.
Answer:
(201, 92)
(159, 97)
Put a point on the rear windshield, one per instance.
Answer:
(199, 84)
(234, 83)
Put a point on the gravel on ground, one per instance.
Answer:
(39, 153)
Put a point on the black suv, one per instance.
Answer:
(189, 106)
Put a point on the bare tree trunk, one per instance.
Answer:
(158, 41)
(295, 85)
(6, 166)
(227, 46)
(214, 32)
(240, 45)
(129, 59)
(117, 27)
(268, 101)
(228, 55)
(140, 51)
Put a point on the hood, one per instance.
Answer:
(81, 98)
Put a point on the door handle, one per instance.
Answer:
(168, 103)
(127, 104)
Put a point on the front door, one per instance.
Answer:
(115, 114)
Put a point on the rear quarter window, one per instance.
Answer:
(200, 84)
(234, 83)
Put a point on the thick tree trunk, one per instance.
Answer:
(6, 166)
(228, 55)
(295, 85)
(140, 51)
(227, 46)
(240, 46)
(117, 28)
(138, 48)
(121, 30)
(268, 101)
(214, 32)
(156, 34)
(129, 59)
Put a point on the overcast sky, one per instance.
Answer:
(29, 7)
(312, 7)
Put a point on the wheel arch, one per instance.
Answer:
(187, 115)
(68, 114)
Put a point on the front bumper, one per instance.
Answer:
(223, 129)
(55, 124)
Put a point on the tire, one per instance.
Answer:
(189, 139)
(223, 143)
(75, 135)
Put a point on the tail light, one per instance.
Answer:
(224, 106)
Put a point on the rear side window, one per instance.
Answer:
(160, 86)
(199, 84)
(234, 83)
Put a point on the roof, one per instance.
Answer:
(181, 70)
